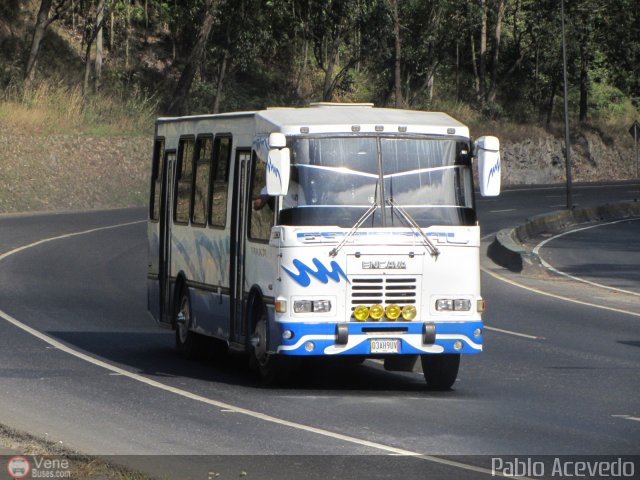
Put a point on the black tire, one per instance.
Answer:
(440, 370)
(272, 369)
(188, 343)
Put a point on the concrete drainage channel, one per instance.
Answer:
(513, 247)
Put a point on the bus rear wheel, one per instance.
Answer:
(273, 369)
(440, 370)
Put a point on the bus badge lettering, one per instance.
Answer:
(384, 265)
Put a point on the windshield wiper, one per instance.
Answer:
(354, 229)
(431, 248)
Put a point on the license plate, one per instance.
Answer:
(385, 345)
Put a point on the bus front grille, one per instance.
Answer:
(384, 290)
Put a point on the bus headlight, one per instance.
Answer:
(453, 305)
(302, 306)
(312, 306)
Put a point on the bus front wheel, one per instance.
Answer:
(440, 370)
(273, 369)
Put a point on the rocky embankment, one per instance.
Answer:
(595, 157)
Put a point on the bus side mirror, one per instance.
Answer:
(278, 170)
(488, 154)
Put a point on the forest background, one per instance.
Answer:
(81, 81)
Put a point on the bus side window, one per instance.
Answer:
(204, 150)
(260, 221)
(157, 169)
(184, 179)
(220, 181)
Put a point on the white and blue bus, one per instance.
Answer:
(338, 230)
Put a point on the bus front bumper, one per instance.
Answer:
(379, 338)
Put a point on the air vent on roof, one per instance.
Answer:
(330, 104)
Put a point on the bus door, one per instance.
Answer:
(238, 240)
(164, 251)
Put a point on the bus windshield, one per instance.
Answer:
(334, 180)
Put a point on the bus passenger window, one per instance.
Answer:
(204, 151)
(220, 183)
(260, 221)
(183, 181)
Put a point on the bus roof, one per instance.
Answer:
(348, 118)
(344, 118)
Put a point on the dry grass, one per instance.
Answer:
(51, 107)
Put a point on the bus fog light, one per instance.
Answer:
(287, 335)
(376, 311)
(309, 346)
(409, 312)
(302, 306)
(361, 313)
(457, 345)
(477, 332)
(392, 312)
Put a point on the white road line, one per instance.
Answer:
(627, 417)
(510, 332)
(547, 265)
(68, 235)
(222, 405)
(557, 297)
(503, 211)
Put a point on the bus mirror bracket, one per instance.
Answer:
(488, 154)
(278, 171)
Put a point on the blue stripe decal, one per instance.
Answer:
(322, 273)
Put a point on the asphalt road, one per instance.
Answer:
(606, 255)
(115, 386)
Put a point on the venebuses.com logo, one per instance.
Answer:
(18, 467)
(38, 467)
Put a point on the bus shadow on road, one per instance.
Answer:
(153, 355)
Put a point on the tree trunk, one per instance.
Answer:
(496, 51)
(87, 67)
(552, 98)
(127, 32)
(398, 52)
(483, 53)
(329, 80)
(99, 46)
(176, 107)
(474, 63)
(457, 71)
(303, 67)
(42, 22)
(221, 75)
(584, 83)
